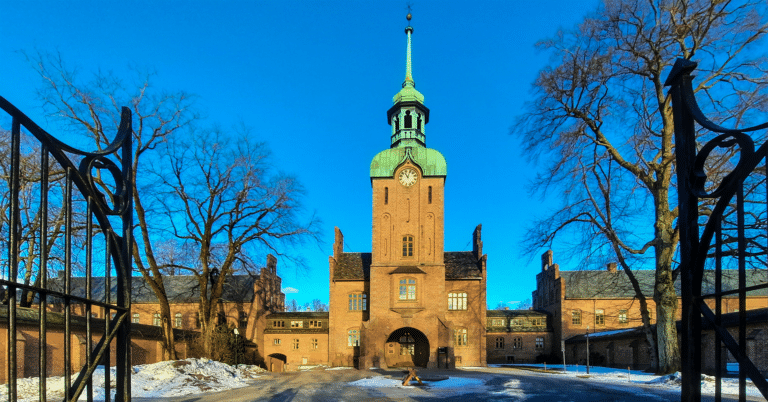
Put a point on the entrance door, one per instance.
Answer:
(411, 348)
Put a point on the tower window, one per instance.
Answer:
(407, 246)
(429, 195)
(418, 122)
(386, 195)
(408, 289)
(460, 337)
(397, 124)
(353, 337)
(408, 123)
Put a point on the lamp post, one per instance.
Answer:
(587, 349)
(237, 346)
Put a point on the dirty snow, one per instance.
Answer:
(196, 376)
(164, 379)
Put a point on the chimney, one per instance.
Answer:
(546, 260)
(612, 267)
(477, 242)
(338, 243)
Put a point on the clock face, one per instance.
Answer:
(408, 177)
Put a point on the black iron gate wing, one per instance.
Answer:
(731, 208)
(67, 225)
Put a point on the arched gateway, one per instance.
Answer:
(407, 347)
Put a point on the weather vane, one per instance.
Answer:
(408, 17)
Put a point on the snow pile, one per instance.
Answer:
(163, 379)
(452, 385)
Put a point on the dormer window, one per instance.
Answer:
(408, 119)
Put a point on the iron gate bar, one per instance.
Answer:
(118, 251)
(691, 178)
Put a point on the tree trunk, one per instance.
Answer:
(169, 343)
(664, 293)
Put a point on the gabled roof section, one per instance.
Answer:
(353, 267)
(357, 266)
(609, 285)
(179, 288)
(407, 270)
(462, 265)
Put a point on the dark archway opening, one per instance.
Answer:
(276, 362)
(409, 346)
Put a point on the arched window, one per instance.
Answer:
(386, 195)
(407, 246)
(457, 301)
(429, 196)
(517, 343)
(460, 337)
(135, 318)
(177, 320)
(408, 289)
(397, 124)
(408, 122)
(418, 122)
(353, 337)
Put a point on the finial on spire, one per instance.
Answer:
(408, 32)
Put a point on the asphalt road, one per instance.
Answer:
(500, 384)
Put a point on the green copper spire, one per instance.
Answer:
(408, 118)
(409, 92)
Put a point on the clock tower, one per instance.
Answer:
(407, 302)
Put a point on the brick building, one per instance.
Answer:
(602, 301)
(407, 302)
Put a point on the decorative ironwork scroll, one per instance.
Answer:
(724, 199)
(94, 214)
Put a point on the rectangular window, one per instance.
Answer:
(499, 343)
(297, 324)
(278, 324)
(135, 318)
(295, 344)
(358, 302)
(156, 321)
(315, 324)
(407, 246)
(243, 319)
(177, 320)
(599, 317)
(517, 343)
(539, 342)
(460, 337)
(623, 316)
(276, 342)
(537, 322)
(497, 322)
(407, 289)
(429, 197)
(353, 337)
(314, 343)
(457, 301)
(576, 317)
(517, 322)
(407, 349)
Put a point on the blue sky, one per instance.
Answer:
(314, 79)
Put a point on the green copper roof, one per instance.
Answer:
(431, 162)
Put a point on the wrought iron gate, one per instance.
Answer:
(732, 232)
(62, 206)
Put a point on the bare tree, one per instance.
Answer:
(91, 108)
(318, 305)
(602, 117)
(222, 197)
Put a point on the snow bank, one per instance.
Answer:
(169, 378)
